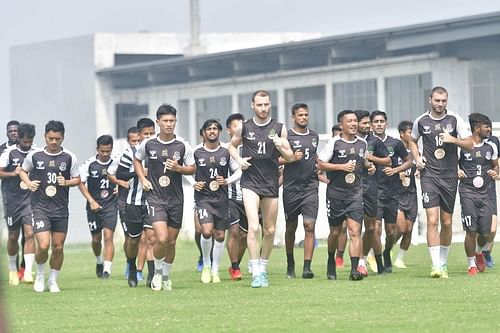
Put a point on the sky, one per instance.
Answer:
(30, 21)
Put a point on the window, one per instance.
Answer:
(485, 87)
(314, 97)
(406, 97)
(127, 116)
(214, 107)
(245, 101)
(182, 126)
(355, 95)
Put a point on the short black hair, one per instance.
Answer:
(378, 113)
(476, 119)
(297, 106)
(12, 123)
(343, 113)
(336, 128)
(360, 114)
(104, 140)
(234, 116)
(55, 126)
(133, 130)
(145, 123)
(404, 125)
(26, 131)
(439, 90)
(166, 109)
(210, 122)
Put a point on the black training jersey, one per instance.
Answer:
(4, 146)
(234, 189)
(16, 196)
(167, 184)
(122, 191)
(209, 165)
(391, 185)
(302, 175)
(408, 176)
(95, 174)
(376, 148)
(258, 144)
(344, 185)
(476, 164)
(135, 194)
(441, 159)
(45, 167)
(494, 139)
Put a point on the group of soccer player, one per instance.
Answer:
(370, 179)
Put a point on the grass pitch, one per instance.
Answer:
(404, 301)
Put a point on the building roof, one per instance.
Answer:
(445, 37)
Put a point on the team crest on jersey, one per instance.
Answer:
(391, 151)
(201, 162)
(94, 173)
(212, 160)
(15, 161)
(437, 127)
(448, 128)
(52, 164)
(361, 153)
(104, 172)
(177, 156)
(63, 166)
(296, 144)
(152, 155)
(164, 152)
(342, 153)
(314, 142)
(468, 156)
(272, 134)
(488, 155)
(223, 161)
(40, 165)
(426, 130)
(352, 151)
(478, 153)
(251, 136)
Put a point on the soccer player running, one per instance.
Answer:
(237, 240)
(300, 188)
(379, 156)
(49, 173)
(408, 201)
(493, 193)
(168, 158)
(264, 139)
(17, 204)
(101, 206)
(442, 132)
(478, 170)
(343, 158)
(389, 189)
(213, 164)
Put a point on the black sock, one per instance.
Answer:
(151, 269)
(354, 263)
(290, 260)
(307, 265)
(380, 265)
(235, 265)
(131, 262)
(331, 258)
(340, 254)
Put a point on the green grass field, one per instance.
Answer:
(404, 301)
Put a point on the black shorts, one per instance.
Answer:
(162, 213)
(408, 204)
(14, 223)
(263, 192)
(237, 215)
(42, 222)
(297, 203)
(476, 213)
(218, 216)
(387, 209)
(339, 210)
(104, 218)
(439, 192)
(370, 203)
(136, 219)
(493, 198)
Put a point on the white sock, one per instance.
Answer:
(443, 254)
(401, 254)
(159, 264)
(53, 275)
(107, 266)
(166, 269)
(217, 254)
(206, 248)
(471, 262)
(99, 260)
(40, 269)
(254, 263)
(29, 259)
(434, 251)
(263, 265)
(12, 263)
(362, 262)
